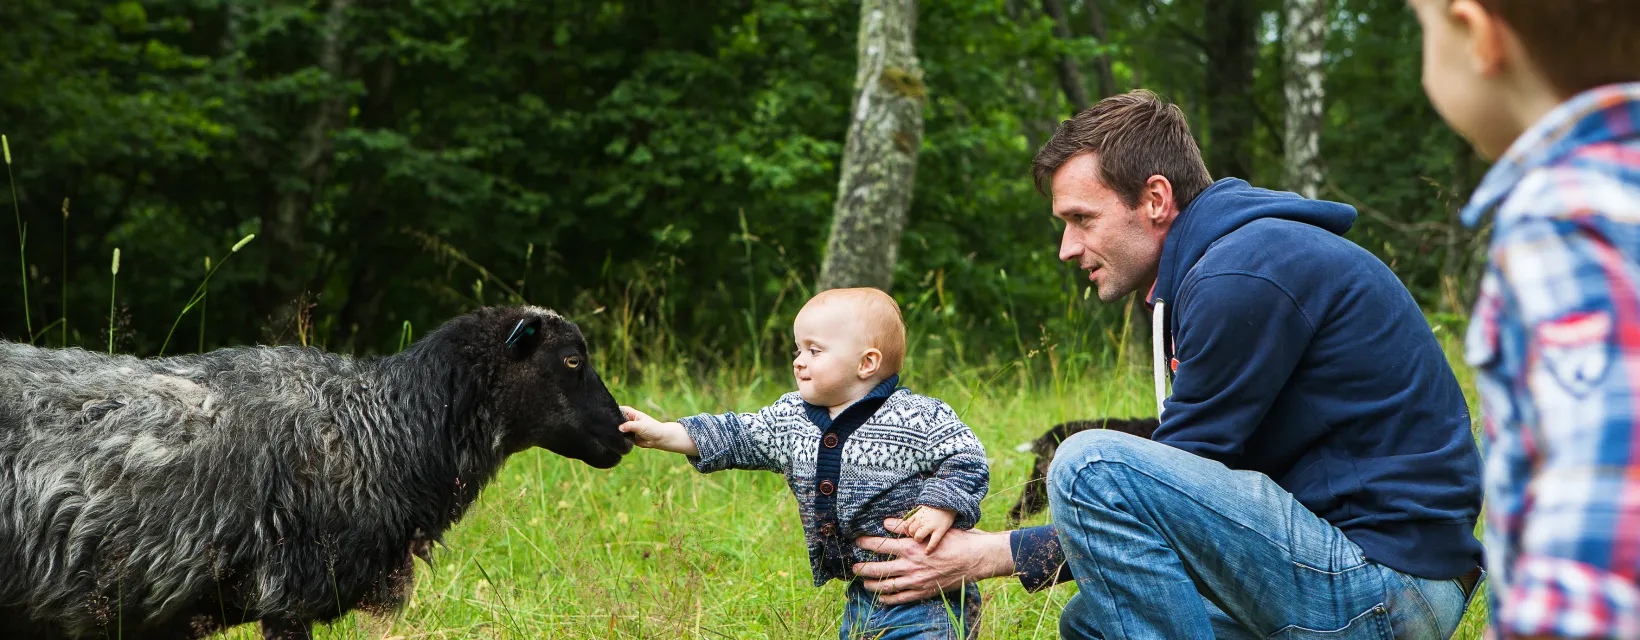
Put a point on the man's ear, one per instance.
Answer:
(1486, 33)
(1157, 201)
(870, 362)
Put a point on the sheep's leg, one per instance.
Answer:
(284, 629)
(1035, 496)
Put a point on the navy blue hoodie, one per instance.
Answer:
(1301, 356)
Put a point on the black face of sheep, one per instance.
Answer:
(176, 497)
(1035, 497)
(555, 395)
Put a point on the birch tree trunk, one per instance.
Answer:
(1304, 38)
(880, 156)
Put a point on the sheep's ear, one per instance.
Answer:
(525, 337)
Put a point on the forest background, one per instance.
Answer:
(667, 175)
(665, 169)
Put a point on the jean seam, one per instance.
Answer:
(1099, 570)
(1364, 564)
(1380, 609)
(1422, 600)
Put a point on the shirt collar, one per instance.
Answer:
(1601, 114)
(821, 416)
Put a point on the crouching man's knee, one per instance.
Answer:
(1087, 449)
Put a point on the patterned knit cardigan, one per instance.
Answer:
(912, 451)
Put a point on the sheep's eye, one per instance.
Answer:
(572, 362)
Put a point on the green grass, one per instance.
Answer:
(651, 548)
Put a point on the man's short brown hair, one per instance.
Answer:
(1135, 135)
(1577, 44)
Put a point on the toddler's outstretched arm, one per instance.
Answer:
(650, 433)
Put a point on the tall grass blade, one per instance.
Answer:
(113, 283)
(64, 317)
(199, 295)
(22, 243)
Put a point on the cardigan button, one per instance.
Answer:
(830, 441)
(827, 487)
(828, 529)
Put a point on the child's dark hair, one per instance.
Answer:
(1577, 44)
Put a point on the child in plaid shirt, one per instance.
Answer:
(1549, 90)
(856, 449)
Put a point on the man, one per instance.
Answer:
(1314, 469)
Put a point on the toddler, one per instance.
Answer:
(855, 448)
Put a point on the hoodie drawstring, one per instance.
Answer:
(1159, 356)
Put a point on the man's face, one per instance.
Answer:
(1119, 246)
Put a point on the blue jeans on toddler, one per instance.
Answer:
(1167, 544)
(953, 615)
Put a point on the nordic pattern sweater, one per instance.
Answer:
(879, 458)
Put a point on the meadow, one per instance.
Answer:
(653, 549)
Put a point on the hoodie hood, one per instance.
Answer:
(1224, 207)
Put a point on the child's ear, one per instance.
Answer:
(870, 362)
(1488, 36)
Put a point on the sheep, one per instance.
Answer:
(1035, 497)
(180, 496)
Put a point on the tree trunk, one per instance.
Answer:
(368, 233)
(1102, 64)
(1231, 47)
(1304, 38)
(283, 225)
(1070, 77)
(880, 156)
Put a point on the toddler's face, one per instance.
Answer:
(829, 350)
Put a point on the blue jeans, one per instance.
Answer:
(1167, 544)
(953, 615)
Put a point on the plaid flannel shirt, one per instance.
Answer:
(1555, 339)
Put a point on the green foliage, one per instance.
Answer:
(657, 171)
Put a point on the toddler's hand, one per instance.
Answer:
(929, 524)
(650, 433)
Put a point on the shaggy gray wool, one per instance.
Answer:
(175, 497)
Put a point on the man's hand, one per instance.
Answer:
(916, 574)
(928, 525)
(650, 433)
